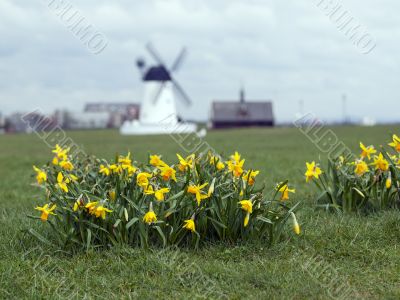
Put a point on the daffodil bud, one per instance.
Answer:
(246, 219)
(389, 181)
(211, 189)
(126, 214)
(296, 226)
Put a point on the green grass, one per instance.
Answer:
(358, 253)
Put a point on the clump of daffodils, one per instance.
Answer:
(186, 201)
(367, 182)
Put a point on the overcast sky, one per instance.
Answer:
(280, 50)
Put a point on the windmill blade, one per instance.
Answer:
(178, 60)
(155, 54)
(183, 94)
(162, 85)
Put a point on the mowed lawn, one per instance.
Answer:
(336, 256)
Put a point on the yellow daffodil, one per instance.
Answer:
(236, 157)
(380, 163)
(247, 206)
(104, 170)
(312, 171)
(125, 160)
(197, 190)
(46, 211)
(55, 161)
(361, 167)
(61, 154)
(116, 169)
(185, 163)
(367, 151)
(142, 179)
(167, 172)
(285, 191)
(236, 167)
(158, 194)
(66, 165)
(62, 182)
(130, 169)
(189, 225)
(296, 226)
(220, 165)
(396, 143)
(155, 160)
(91, 206)
(41, 175)
(250, 176)
(150, 216)
(100, 211)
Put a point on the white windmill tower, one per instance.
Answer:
(158, 113)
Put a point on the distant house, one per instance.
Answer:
(242, 113)
(118, 112)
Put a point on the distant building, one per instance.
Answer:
(118, 112)
(27, 123)
(85, 120)
(242, 113)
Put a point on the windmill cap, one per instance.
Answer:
(159, 73)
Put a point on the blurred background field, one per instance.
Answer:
(356, 248)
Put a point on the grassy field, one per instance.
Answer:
(336, 256)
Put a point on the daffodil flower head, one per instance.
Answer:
(313, 171)
(367, 151)
(380, 163)
(190, 225)
(155, 160)
(250, 176)
(125, 160)
(285, 190)
(197, 190)
(104, 170)
(62, 182)
(142, 179)
(160, 194)
(46, 211)
(361, 167)
(167, 172)
(66, 165)
(150, 217)
(61, 154)
(247, 206)
(100, 211)
(41, 175)
(395, 143)
(116, 168)
(185, 163)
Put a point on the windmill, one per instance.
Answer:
(158, 113)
